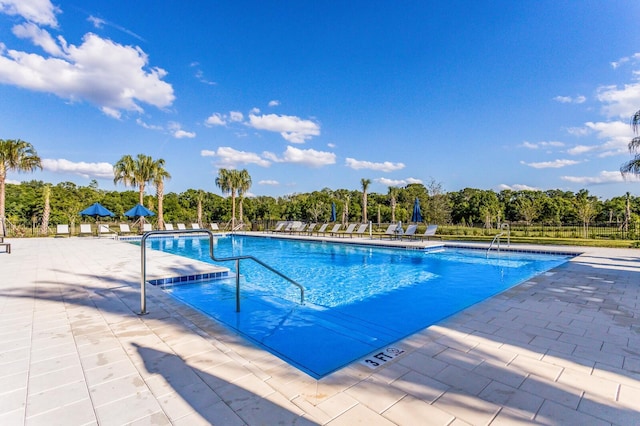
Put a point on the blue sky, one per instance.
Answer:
(308, 95)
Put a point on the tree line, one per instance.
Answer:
(37, 205)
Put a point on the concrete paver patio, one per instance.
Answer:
(563, 348)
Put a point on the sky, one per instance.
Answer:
(311, 95)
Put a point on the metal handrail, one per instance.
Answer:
(497, 237)
(143, 255)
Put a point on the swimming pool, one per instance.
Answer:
(358, 299)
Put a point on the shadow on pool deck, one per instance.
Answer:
(561, 348)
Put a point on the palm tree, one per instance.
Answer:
(244, 184)
(199, 199)
(159, 176)
(46, 212)
(393, 198)
(365, 186)
(134, 173)
(15, 155)
(234, 182)
(225, 181)
(633, 166)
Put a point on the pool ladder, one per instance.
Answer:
(237, 259)
(496, 239)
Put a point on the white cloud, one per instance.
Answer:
(624, 60)
(181, 134)
(231, 158)
(603, 177)
(178, 132)
(86, 170)
(236, 116)
(620, 102)
(570, 100)
(41, 12)
(397, 182)
(578, 131)
(517, 187)
(580, 149)
(215, 119)
(274, 103)
(556, 164)
(269, 182)
(112, 76)
(39, 37)
(148, 126)
(13, 182)
(291, 128)
(617, 135)
(97, 22)
(308, 157)
(386, 166)
(537, 145)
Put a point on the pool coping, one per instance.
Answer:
(527, 355)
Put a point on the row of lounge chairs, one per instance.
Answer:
(393, 231)
(104, 229)
(396, 231)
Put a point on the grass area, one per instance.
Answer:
(583, 242)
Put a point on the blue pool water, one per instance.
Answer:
(358, 299)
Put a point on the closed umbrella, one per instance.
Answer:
(333, 212)
(416, 216)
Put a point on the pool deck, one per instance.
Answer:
(563, 348)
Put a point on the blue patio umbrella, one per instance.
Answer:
(416, 216)
(139, 210)
(96, 210)
(333, 212)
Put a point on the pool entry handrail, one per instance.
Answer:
(503, 227)
(237, 259)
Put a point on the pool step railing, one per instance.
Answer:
(237, 259)
(496, 239)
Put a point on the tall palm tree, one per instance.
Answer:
(15, 155)
(134, 172)
(365, 186)
(234, 182)
(244, 184)
(199, 199)
(46, 212)
(393, 198)
(225, 181)
(633, 166)
(159, 176)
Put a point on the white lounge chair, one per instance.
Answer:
(104, 230)
(390, 231)
(410, 232)
(361, 229)
(348, 231)
(125, 229)
(430, 232)
(62, 230)
(323, 229)
(85, 229)
(280, 226)
(181, 226)
(311, 227)
(214, 227)
(196, 226)
(146, 227)
(168, 226)
(335, 229)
